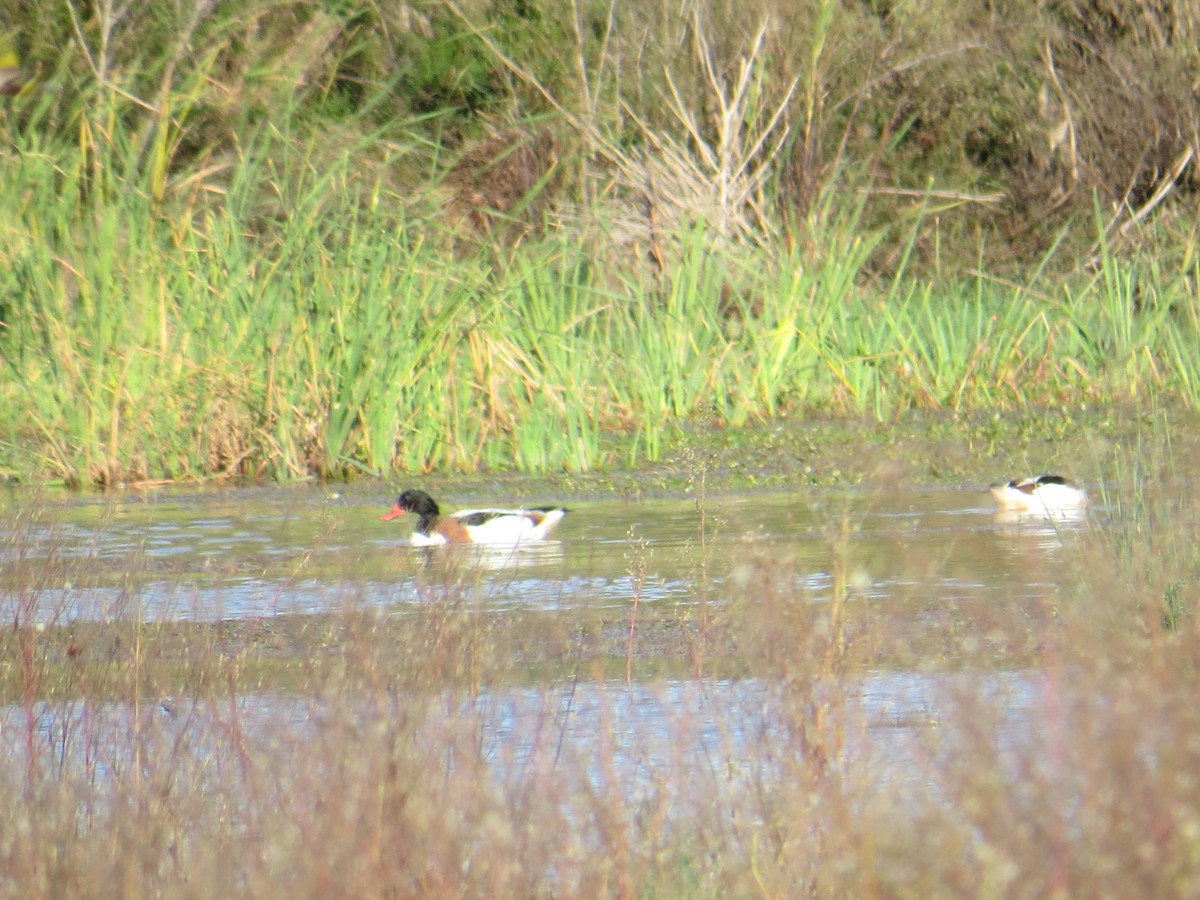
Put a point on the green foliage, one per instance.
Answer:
(353, 342)
(339, 338)
(228, 248)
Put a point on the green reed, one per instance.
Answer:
(346, 338)
(169, 312)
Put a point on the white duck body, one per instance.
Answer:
(474, 526)
(1043, 495)
(493, 526)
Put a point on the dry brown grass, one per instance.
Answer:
(502, 185)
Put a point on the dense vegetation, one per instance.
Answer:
(282, 238)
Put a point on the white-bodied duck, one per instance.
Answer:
(474, 526)
(1045, 494)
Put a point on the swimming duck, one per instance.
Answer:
(1043, 494)
(473, 526)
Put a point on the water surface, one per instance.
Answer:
(259, 552)
(207, 555)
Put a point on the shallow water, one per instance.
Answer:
(655, 735)
(256, 552)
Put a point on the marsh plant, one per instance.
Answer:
(289, 240)
(287, 362)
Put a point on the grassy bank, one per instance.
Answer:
(345, 346)
(285, 240)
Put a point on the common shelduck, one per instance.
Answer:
(474, 526)
(1045, 494)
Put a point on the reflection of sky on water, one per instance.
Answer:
(658, 734)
